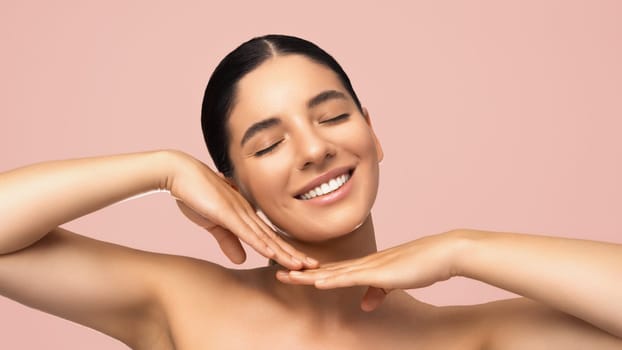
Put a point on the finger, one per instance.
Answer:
(372, 298)
(324, 271)
(193, 215)
(311, 277)
(304, 277)
(343, 264)
(283, 276)
(228, 241)
(307, 261)
(281, 256)
(287, 277)
(345, 279)
(229, 244)
(285, 254)
(280, 245)
(304, 258)
(239, 227)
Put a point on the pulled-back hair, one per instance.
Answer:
(220, 93)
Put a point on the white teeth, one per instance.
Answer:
(327, 187)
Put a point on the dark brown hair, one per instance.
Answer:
(220, 93)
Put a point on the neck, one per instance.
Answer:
(340, 303)
(356, 244)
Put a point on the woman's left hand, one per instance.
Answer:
(415, 264)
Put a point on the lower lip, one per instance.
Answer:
(334, 196)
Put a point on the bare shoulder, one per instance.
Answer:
(522, 323)
(117, 290)
(207, 304)
(176, 271)
(189, 296)
(186, 283)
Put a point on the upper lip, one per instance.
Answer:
(331, 174)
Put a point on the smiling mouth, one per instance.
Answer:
(327, 187)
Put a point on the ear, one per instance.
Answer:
(379, 151)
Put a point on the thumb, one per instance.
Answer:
(373, 298)
(229, 244)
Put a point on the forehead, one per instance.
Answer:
(280, 86)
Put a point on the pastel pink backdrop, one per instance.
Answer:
(493, 115)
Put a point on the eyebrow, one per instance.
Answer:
(274, 121)
(259, 126)
(325, 96)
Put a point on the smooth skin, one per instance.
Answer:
(350, 297)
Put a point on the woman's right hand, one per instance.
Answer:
(210, 201)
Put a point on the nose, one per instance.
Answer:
(313, 149)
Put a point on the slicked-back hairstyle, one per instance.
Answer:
(220, 93)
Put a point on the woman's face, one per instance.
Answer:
(301, 150)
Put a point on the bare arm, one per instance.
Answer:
(37, 198)
(105, 286)
(110, 288)
(579, 277)
(94, 283)
(522, 323)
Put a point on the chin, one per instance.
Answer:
(318, 221)
(324, 229)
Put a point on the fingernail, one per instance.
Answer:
(312, 261)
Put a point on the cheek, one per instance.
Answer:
(360, 140)
(264, 179)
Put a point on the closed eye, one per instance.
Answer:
(268, 149)
(337, 118)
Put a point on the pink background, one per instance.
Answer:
(492, 116)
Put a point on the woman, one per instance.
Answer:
(290, 140)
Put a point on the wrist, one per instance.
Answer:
(169, 163)
(466, 243)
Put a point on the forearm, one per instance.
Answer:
(39, 197)
(582, 278)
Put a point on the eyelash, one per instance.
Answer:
(267, 149)
(337, 118)
(272, 146)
